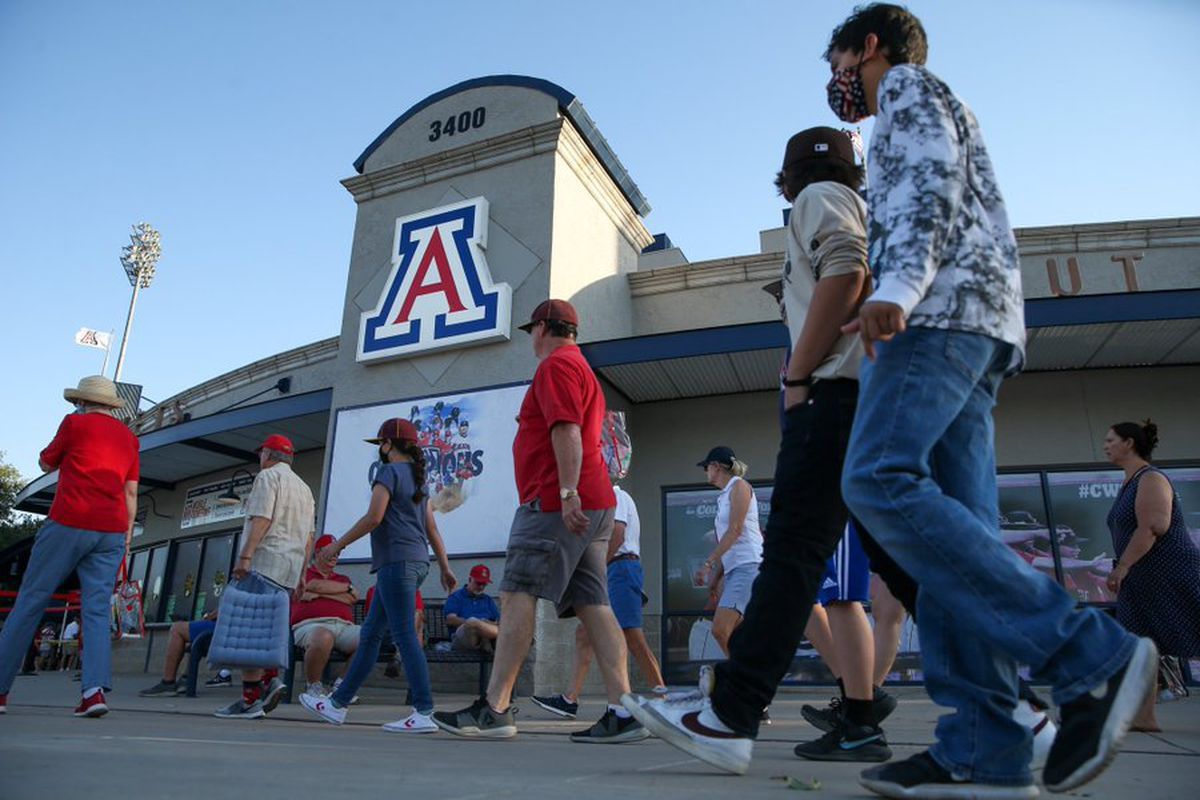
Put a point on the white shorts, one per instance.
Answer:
(345, 634)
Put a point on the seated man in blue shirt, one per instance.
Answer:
(473, 616)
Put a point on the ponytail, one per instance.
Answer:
(1144, 436)
(417, 456)
(739, 468)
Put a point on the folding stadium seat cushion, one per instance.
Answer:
(252, 626)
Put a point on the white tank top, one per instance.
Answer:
(749, 545)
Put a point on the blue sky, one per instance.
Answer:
(228, 125)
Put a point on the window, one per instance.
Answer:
(1080, 502)
(181, 595)
(1023, 520)
(153, 588)
(214, 573)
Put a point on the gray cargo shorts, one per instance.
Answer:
(548, 561)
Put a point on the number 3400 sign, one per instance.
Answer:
(457, 123)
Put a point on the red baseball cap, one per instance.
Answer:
(395, 428)
(481, 574)
(279, 443)
(324, 541)
(560, 310)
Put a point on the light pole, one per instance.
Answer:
(138, 258)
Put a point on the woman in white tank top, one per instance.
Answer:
(733, 564)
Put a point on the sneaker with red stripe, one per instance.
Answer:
(93, 706)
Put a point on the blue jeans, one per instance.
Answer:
(921, 475)
(57, 552)
(395, 606)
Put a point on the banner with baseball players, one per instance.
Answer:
(467, 439)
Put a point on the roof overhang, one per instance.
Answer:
(213, 443)
(1094, 331)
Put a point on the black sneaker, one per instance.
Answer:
(164, 689)
(477, 720)
(826, 719)
(921, 776)
(219, 680)
(612, 729)
(557, 705)
(847, 742)
(823, 719)
(1094, 724)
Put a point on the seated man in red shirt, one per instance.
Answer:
(323, 618)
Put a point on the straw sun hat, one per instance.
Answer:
(95, 389)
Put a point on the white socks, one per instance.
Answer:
(619, 710)
(87, 693)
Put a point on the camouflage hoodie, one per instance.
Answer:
(941, 246)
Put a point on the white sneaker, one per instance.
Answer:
(317, 689)
(1044, 731)
(323, 707)
(677, 722)
(336, 684)
(415, 722)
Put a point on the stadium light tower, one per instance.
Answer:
(139, 258)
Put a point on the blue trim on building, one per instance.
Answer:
(567, 101)
(1046, 312)
(1050, 312)
(257, 414)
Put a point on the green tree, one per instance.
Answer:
(14, 525)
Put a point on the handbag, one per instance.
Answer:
(252, 625)
(128, 620)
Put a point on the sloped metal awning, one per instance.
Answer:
(216, 442)
(1126, 330)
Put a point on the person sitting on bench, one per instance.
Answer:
(323, 618)
(183, 633)
(472, 616)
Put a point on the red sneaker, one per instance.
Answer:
(3, 704)
(92, 706)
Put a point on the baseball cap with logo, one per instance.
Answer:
(324, 541)
(481, 574)
(547, 310)
(819, 144)
(279, 443)
(395, 428)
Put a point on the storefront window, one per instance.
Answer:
(1186, 481)
(214, 573)
(137, 567)
(1023, 520)
(153, 588)
(1080, 502)
(181, 595)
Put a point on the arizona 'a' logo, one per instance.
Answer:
(440, 292)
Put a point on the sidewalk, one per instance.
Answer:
(175, 748)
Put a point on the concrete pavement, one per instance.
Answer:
(175, 748)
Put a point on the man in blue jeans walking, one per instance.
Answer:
(943, 328)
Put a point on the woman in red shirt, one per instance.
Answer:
(88, 532)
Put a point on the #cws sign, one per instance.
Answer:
(439, 292)
(467, 440)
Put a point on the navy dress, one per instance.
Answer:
(1160, 597)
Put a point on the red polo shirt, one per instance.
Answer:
(95, 455)
(564, 389)
(322, 607)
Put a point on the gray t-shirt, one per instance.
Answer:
(401, 535)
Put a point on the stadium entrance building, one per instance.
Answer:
(488, 197)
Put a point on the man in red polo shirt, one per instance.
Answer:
(88, 532)
(559, 536)
(323, 617)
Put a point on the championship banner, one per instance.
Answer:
(467, 439)
(200, 506)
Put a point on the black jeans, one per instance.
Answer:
(807, 520)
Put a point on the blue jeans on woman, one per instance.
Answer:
(395, 606)
(57, 552)
(921, 475)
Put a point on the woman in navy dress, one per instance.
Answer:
(1156, 575)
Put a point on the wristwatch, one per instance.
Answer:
(566, 494)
